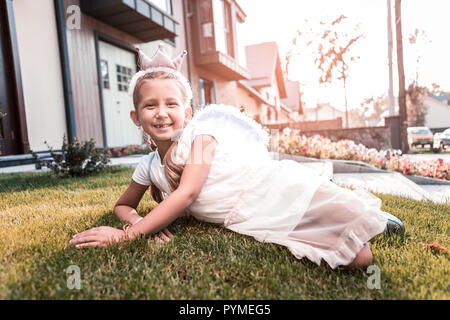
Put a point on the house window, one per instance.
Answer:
(206, 26)
(222, 27)
(241, 56)
(105, 73)
(215, 22)
(170, 41)
(228, 29)
(164, 5)
(123, 77)
(207, 92)
(220, 31)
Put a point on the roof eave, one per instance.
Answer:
(255, 94)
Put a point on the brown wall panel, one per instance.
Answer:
(84, 76)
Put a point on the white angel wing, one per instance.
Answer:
(238, 135)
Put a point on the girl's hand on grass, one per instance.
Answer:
(163, 236)
(97, 237)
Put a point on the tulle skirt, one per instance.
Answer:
(311, 216)
(276, 201)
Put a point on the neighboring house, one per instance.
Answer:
(59, 78)
(266, 77)
(252, 102)
(445, 97)
(438, 111)
(286, 114)
(293, 100)
(214, 51)
(323, 111)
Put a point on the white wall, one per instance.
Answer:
(41, 72)
(438, 115)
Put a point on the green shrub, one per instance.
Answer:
(77, 159)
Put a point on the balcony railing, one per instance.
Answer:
(138, 18)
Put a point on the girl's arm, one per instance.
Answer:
(192, 179)
(191, 182)
(125, 207)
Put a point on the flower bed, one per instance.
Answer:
(292, 142)
(129, 150)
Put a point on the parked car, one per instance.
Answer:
(420, 136)
(441, 140)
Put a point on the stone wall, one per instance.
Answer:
(309, 125)
(371, 137)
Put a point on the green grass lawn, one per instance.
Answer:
(39, 214)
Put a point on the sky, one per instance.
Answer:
(278, 20)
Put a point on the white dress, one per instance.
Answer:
(273, 201)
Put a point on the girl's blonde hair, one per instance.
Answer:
(172, 170)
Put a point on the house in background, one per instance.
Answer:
(324, 111)
(72, 78)
(66, 66)
(63, 78)
(293, 101)
(286, 114)
(215, 61)
(438, 112)
(267, 95)
(266, 77)
(252, 102)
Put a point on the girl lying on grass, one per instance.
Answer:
(216, 167)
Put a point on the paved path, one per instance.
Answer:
(385, 183)
(394, 183)
(129, 161)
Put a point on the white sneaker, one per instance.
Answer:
(393, 224)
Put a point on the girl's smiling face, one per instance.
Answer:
(161, 110)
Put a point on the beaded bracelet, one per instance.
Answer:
(125, 229)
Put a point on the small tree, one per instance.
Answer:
(331, 45)
(371, 110)
(415, 106)
(418, 40)
(415, 94)
(336, 56)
